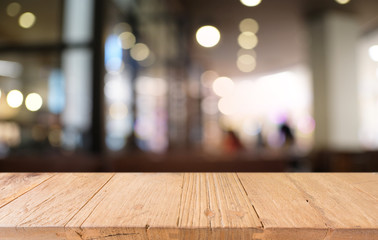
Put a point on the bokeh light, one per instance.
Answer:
(127, 40)
(208, 77)
(227, 106)
(208, 36)
(118, 111)
(250, 3)
(121, 27)
(246, 63)
(27, 20)
(140, 52)
(247, 40)
(33, 102)
(243, 51)
(113, 55)
(116, 88)
(342, 1)
(249, 25)
(15, 98)
(373, 53)
(151, 86)
(223, 86)
(13, 9)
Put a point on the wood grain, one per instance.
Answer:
(282, 208)
(132, 206)
(189, 206)
(14, 185)
(347, 211)
(364, 182)
(213, 202)
(49, 206)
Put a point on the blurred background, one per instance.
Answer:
(188, 85)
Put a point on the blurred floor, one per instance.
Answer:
(192, 162)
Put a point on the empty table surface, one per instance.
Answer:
(149, 206)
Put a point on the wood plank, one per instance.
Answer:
(132, 206)
(365, 182)
(283, 210)
(348, 212)
(215, 206)
(157, 206)
(43, 212)
(14, 185)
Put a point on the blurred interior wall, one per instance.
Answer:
(333, 45)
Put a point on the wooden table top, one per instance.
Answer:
(149, 206)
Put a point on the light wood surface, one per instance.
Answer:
(193, 206)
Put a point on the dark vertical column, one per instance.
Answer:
(98, 121)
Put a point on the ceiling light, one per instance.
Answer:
(208, 36)
(15, 98)
(342, 1)
(247, 40)
(250, 3)
(223, 86)
(246, 63)
(249, 25)
(27, 20)
(33, 102)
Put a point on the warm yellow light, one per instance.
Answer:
(208, 36)
(250, 3)
(373, 52)
(140, 52)
(118, 111)
(249, 25)
(14, 98)
(33, 102)
(342, 1)
(223, 86)
(27, 20)
(13, 9)
(127, 40)
(247, 40)
(246, 63)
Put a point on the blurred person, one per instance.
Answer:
(260, 141)
(289, 147)
(232, 142)
(286, 133)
